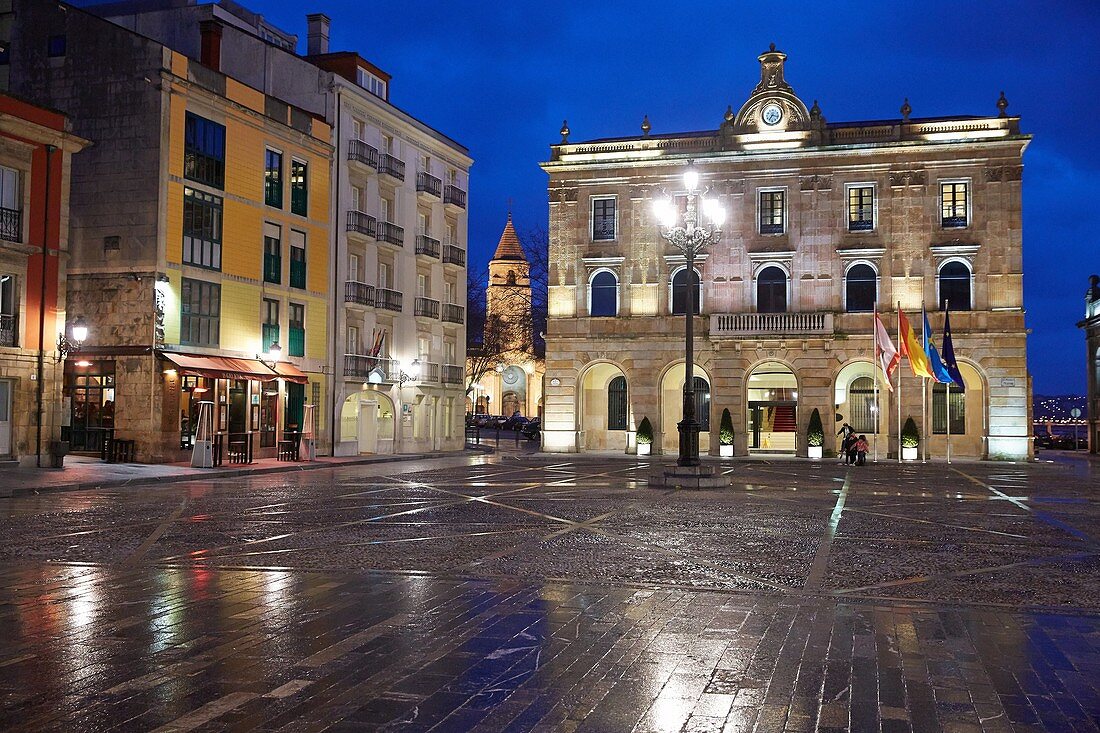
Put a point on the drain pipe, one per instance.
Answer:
(337, 303)
(42, 308)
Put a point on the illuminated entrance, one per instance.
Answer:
(772, 409)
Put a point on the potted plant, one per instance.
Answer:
(910, 439)
(725, 435)
(645, 437)
(815, 435)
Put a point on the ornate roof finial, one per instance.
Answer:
(906, 110)
(815, 111)
(509, 208)
(564, 132)
(646, 126)
(771, 47)
(729, 113)
(1002, 105)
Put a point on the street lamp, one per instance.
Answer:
(409, 373)
(690, 236)
(65, 346)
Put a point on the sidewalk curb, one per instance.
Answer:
(218, 474)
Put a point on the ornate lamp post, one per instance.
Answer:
(690, 236)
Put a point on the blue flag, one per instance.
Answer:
(949, 352)
(939, 369)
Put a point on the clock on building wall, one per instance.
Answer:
(772, 114)
(511, 375)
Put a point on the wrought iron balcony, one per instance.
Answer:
(455, 196)
(390, 300)
(361, 366)
(453, 313)
(425, 245)
(426, 307)
(738, 325)
(427, 183)
(9, 330)
(361, 223)
(360, 152)
(391, 166)
(11, 225)
(453, 374)
(429, 371)
(358, 293)
(387, 232)
(453, 255)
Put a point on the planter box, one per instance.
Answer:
(725, 451)
(644, 448)
(814, 451)
(908, 454)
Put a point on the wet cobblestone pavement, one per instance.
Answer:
(474, 593)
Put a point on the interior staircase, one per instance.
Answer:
(784, 421)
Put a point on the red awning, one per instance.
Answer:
(220, 367)
(291, 373)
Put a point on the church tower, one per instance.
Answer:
(508, 295)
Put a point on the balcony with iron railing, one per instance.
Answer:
(739, 325)
(9, 329)
(453, 313)
(390, 233)
(453, 255)
(11, 225)
(391, 166)
(426, 308)
(390, 300)
(358, 293)
(360, 152)
(454, 196)
(427, 246)
(428, 184)
(453, 374)
(360, 366)
(360, 223)
(429, 371)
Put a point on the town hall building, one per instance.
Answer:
(826, 222)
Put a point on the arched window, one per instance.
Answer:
(616, 404)
(680, 291)
(940, 410)
(603, 296)
(702, 403)
(511, 277)
(860, 288)
(861, 405)
(955, 286)
(771, 290)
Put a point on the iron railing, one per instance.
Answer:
(454, 195)
(453, 374)
(453, 255)
(388, 299)
(361, 366)
(426, 307)
(453, 313)
(391, 233)
(391, 166)
(9, 330)
(425, 245)
(428, 183)
(360, 152)
(357, 292)
(361, 223)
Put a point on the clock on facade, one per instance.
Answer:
(772, 114)
(511, 375)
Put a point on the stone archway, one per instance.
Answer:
(772, 408)
(600, 410)
(367, 420)
(672, 407)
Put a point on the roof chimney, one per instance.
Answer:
(210, 52)
(317, 34)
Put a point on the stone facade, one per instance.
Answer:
(1091, 327)
(915, 206)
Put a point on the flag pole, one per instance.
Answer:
(874, 365)
(900, 344)
(924, 388)
(947, 402)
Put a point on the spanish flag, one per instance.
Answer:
(911, 347)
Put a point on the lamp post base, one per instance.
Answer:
(689, 442)
(688, 477)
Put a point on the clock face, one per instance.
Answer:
(511, 376)
(772, 114)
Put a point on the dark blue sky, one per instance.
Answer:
(500, 77)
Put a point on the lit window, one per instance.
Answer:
(771, 212)
(953, 203)
(603, 219)
(273, 178)
(861, 208)
(299, 190)
(202, 229)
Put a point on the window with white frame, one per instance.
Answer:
(358, 129)
(352, 340)
(954, 204)
(772, 211)
(603, 294)
(353, 267)
(357, 198)
(371, 82)
(383, 275)
(603, 219)
(861, 207)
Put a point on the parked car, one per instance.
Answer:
(515, 422)
(533, 429)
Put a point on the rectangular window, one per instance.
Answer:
(424, 221)
(55, 46)
(273, 178)
(603, 219)
(357, 199)
(448, 352)
(270, 324)
(11, 215)
(422, 285)
(423, 345)
(358, 129)
(386, 209)
(452, 233)
(352, 344)
(299, 188)
(202, 229)
(9, 298)
(200, 312)
(861, 208)
(383, 275)
(953, 204)
(448, 291)
(297, 260)
(297, 345)
(939, 410)
(273, 254)
(771, 212)
(353, 267)
(204, 151)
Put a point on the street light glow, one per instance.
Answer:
(665, 212)
(691, 179)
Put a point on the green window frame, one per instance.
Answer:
(299, 187)
(273, 178)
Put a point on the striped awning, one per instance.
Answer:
(220, 367)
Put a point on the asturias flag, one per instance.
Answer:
(888, 356)
(949, 352)
(939, 369)
(910, 347)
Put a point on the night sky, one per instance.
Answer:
(500, 77)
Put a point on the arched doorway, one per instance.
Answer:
(772, 420)
(672, 408)
(367, 421)
(855, 399)
(603, 410)
(960, 415)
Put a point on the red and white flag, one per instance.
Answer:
(887, 355)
